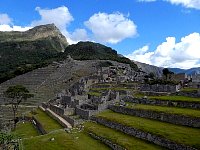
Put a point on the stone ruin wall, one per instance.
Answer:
(159, 88)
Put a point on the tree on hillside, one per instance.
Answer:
(168, 74)
(14, 96)
(6, 141)
(151, 75)
(165, 72)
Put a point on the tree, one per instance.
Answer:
(5, 140)
(151, 75)
(165, 72)
(14, 96)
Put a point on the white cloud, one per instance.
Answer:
(141, 55)
(184, 54)
(6, 24)
(111, 28)
(185, 3)
(5, 19)
(79, 35)
(60, 16)
(5, 27)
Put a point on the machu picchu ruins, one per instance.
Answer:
(87, 96)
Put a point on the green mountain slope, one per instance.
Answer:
(90, 51)
(21, 52)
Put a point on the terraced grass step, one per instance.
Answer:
(176, 98)
(61, 140)
(166, 101)
(164, 109)
(25, 130)
(179, 116)
(168, 132)
(47, 122)
(116, 137)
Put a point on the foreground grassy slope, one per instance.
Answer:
(63, 141)
(119, 138)
(171, 110)
(179, 134)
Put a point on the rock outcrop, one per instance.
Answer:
(49, 31)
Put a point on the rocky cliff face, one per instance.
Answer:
(149, 68)
(47, 32)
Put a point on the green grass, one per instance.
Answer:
(95, 93)
(175, 98)
(25, 130)
(171, 110)
(63, 141)
(113, 89)
(189, 89)
(47, 122)
(124, 140)
(180, 134)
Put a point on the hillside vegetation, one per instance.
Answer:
(21, 52)
(91, 51)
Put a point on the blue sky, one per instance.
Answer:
(159, 32)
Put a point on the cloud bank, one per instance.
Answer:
(184, 54)
(185, 3)
(6, 24)
(111, 28)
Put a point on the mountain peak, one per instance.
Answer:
(49, 31)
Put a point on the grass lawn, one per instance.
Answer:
(25, 130)
(175, 98)
(63, 141)
(124, 140)
(171, 110)
(47, 122)
(180, 134)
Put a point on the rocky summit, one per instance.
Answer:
(49, 31)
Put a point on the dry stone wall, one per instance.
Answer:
(166, 117)
(143, 135)
(74, 122)
(158, 88)
(171, 103)
(189, 94)
(107, 142)
(38, 125)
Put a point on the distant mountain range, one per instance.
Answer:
(187, 71)
(149, 68)
(158, 70)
